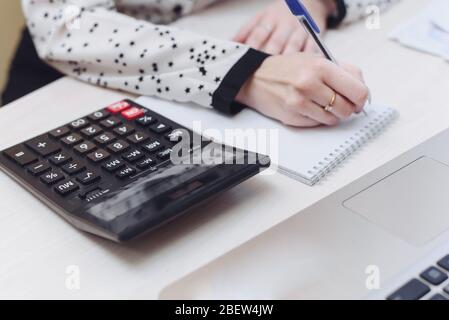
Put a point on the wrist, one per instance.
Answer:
(243, 96)
(247, 94)
(229, 90)
(258, 87)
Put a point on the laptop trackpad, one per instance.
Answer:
(413, 203)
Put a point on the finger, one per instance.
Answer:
(342, 108)
(316, 112)
(319, 93)
(296, 42)
(245, 31)
(300, 121)
(259, 35)
(278, 39)
(311, 46)
(344, 83)
(356, 72)
(323, 96)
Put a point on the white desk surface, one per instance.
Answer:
(36, 245)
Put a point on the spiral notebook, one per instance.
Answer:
(306, 155)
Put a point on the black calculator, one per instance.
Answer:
(113, 173)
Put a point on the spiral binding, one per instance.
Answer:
(371, 130)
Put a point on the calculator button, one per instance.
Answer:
(133, 113)
(444, 263)
(98, 155)
(78, 124)
(434, 276)
(66, 187)
(90, 193)
(38, 168)
(138, 137)
(124, 130)
(165, 154)
(133, 155)
(110, 122)
(85, 147)
(118, 107)
(146, 121)
(113, 165)
(71, 139)
(43, 146)
(52, 177)
(146, 163)
(98, 115)
(412, 290)
(160, 128)
(91, 131)
(60, 158)
(118, 146)
(438, 297)
(73, 167)
(20, 155)
(105, 138)
(176, 135)
(153, 146)
(88, 177)
(58, 133)
(125, 172)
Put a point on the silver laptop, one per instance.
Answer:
(384, 236)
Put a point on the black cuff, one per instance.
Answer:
(335, 20)
(223, 98)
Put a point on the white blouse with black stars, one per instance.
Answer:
(127, 45)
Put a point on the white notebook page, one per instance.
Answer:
(303, 154)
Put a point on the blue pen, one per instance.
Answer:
(300, 11)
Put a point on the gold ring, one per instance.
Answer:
(330, 106)
(334, 97)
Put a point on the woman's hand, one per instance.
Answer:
(276, 31)
(295, 88)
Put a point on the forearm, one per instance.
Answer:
(116, 51)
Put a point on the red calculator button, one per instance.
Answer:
(118, 107)
(133, 113)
